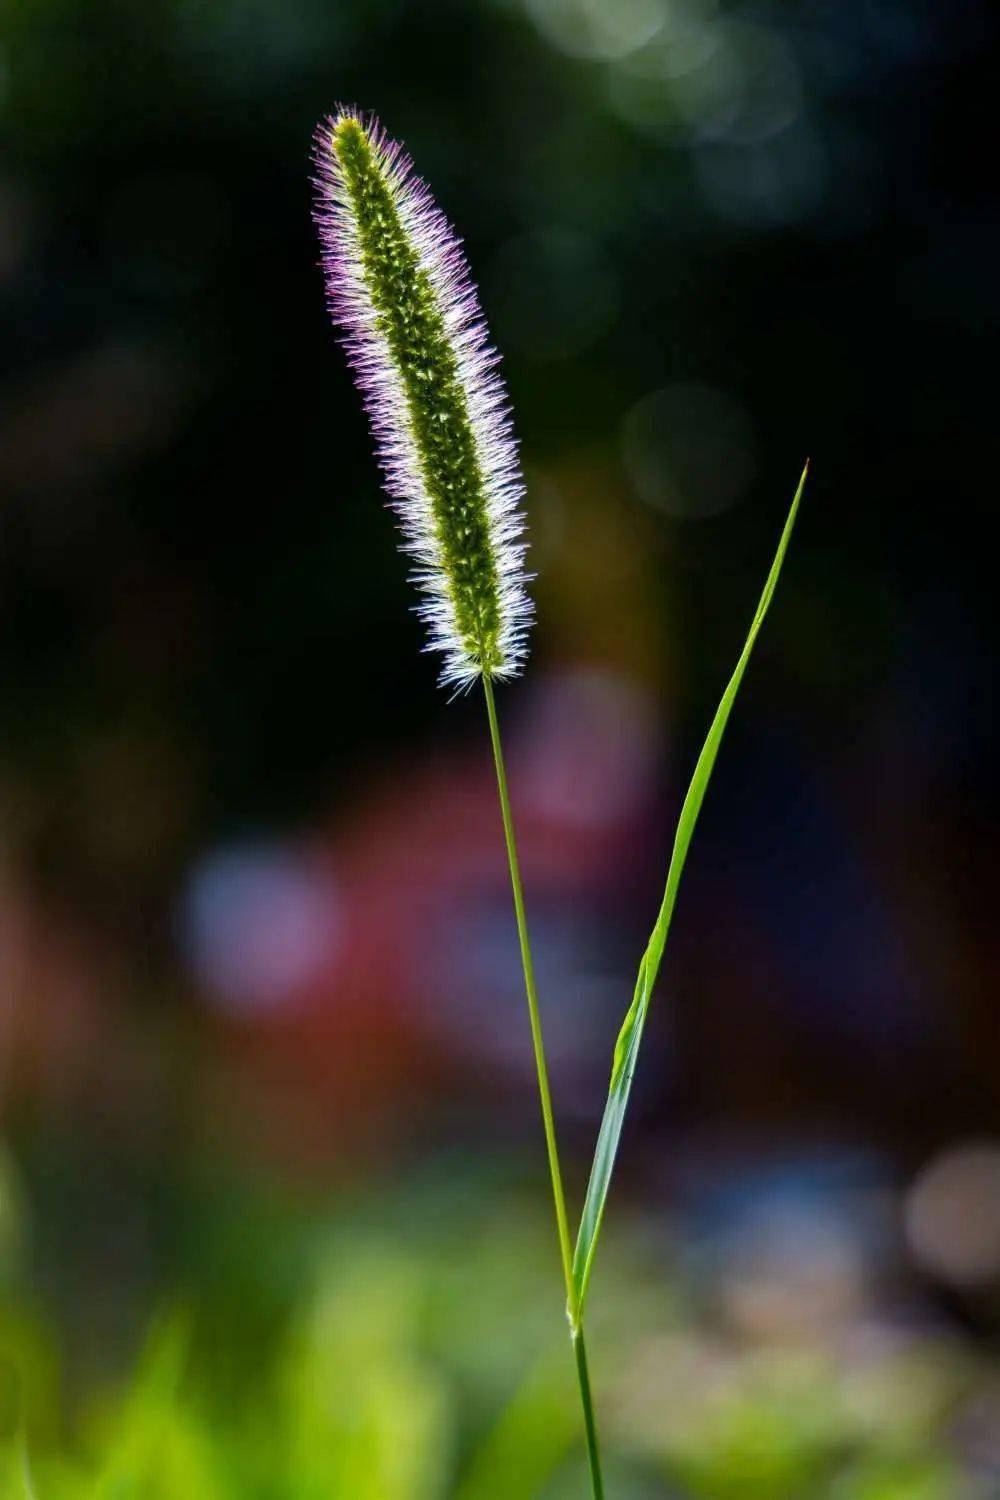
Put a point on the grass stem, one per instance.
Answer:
(548, 1121)
(589, 1420)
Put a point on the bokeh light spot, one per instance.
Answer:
(256, 924)
(953, 1214)
(597, 29)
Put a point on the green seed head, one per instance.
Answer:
(399, 288)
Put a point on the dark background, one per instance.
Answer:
(254, 929)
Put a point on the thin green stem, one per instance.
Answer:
(545, 1096)
(589, 1421)
(565, 1244)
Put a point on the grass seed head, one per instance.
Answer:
(399, 289)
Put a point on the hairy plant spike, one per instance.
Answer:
(399, 289)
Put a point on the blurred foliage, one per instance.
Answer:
(420, 1354)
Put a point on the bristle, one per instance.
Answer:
(399, 289)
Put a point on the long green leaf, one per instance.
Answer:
(630, 1036)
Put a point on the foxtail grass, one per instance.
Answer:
(400, 292)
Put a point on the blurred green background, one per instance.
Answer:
(273, 1214)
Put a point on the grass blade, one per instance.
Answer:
(630, 1036)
